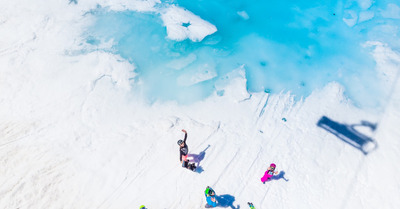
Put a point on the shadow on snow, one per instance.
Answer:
(197, 158)
(349, 134)
(225, 201)
(281, 175)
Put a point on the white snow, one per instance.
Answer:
(119, 5)
(175, 18)
(73, 134)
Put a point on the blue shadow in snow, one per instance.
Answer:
(225, 201)
(281, 175)
(349, 134)
(197, 158)
(199, 169)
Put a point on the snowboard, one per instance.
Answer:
(190, 166)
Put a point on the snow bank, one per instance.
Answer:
(118, 5)
(182, 24)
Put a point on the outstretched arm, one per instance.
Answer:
(184, 131)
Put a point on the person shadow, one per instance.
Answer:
(281, 175)
(197, 158)
(226, 201)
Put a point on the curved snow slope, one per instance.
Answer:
(73, 133)
(283, 45)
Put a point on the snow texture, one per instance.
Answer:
(73, 134)
(182, 24)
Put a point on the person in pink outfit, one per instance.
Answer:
(269, 173)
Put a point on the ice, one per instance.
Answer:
(365, 16)
(282, 46)
(94, 95)
(350, 18)
(243, 14)
(392, 11)
(365, 4)
(196, 29)
(181, 63)
(197, 74)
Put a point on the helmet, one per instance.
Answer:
(209, 191)
(180, 141)
(272, 165)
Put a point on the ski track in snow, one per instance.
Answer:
(127, 181)
(73, 134)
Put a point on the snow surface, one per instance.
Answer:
(196, 29)
(73, 133)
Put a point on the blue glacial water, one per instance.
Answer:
(287, 45)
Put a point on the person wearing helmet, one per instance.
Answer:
(183, 148)
(269, 173)
(210, 197)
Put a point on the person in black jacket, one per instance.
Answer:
(183, 148)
